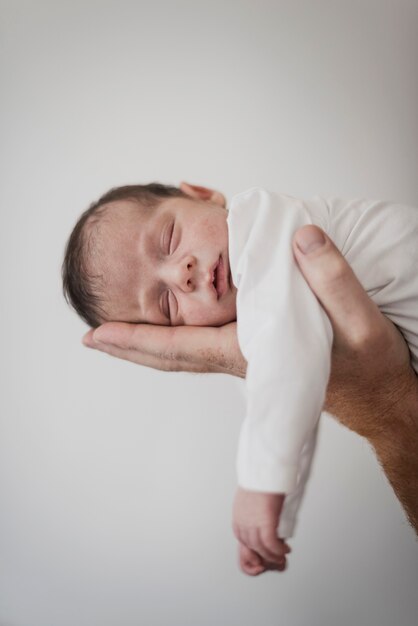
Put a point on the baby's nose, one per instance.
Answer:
(185, 273)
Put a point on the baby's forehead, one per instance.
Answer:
(116, 221)
(114, 250)
(109, 226)
(118, 211)
(118, 225)
(110, 246)
(130, 210)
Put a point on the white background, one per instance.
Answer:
(116, 481)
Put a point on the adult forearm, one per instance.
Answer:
(381, 405)
(397, 448)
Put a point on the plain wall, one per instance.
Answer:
(117, 481)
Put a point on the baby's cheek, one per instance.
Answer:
(207, 316)
(211, 231)
(200, 314)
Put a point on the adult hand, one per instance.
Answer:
(372, 389)
(172, 349)
(370, 369)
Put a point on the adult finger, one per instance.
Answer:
(160, 347)
(179, 348)
(146, 338)
(148, 360)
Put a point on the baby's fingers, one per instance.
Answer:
(275, 546)
(252, 564)
(266, 543)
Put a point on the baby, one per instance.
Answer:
(177, 256)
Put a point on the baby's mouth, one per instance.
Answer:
(215, 277)
(214, 283)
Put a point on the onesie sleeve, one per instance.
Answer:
(286, 338)
(292, 502)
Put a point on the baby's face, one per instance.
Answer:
(158, 264)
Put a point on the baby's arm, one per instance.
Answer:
(270, 550)
(278, 519)
(286, 338)
(293, 500)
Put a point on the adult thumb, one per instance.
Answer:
(332, 280)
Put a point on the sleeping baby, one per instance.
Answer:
(164, 255)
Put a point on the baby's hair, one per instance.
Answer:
(81, 287)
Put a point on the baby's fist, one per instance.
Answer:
(252, 564)
(255, 519)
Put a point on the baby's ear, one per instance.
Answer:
(203, 193)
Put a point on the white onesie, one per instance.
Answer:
(285, 334)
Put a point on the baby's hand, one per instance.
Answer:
(252, 564)
(255, 520)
